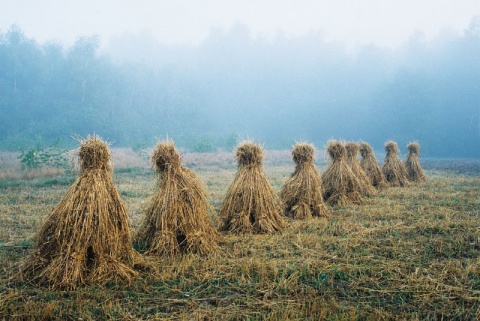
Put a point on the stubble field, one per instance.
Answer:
(408, 253)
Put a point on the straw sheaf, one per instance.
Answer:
(414, 148)
(412, 163)
(365, 184)
(391, 148)
(370, 166)
(94, 154)
(336, 150)
(251, 204)
(87, 237)
(394, 170)
(352, 149)
(302, 193)
(165, 156)
(303, 153)
(341, 187)
(249, 154)
(177, 220)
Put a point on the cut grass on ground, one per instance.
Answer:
(407, 253)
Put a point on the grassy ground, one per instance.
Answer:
(408, 253)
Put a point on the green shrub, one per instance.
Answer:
(203, 145)
(232, 141)
(51, 156)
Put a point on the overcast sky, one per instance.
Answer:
(382, 22)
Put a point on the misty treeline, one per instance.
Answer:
(276, 90)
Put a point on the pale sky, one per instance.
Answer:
(355, 22)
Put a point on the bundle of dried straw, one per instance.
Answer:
(302, 193)
(341, 186)
(87, 237)
(251, 204)
(365, 185)
(412, 163)
(177, 220)
(370, 166)
(393, 168)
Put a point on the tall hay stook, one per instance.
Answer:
(341, 186)
(177, 220)
(251, 204)
(394, 170)
(412, 163)
(365, 184)
(302, 193)
(87, 237)
(370, 166)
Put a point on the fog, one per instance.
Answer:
(236, 84)
(385, 23)
(309, 88)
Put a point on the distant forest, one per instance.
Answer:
(234, 86)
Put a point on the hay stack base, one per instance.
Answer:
(177, 220)
(393, 168)
(251, 204)
(302, 193)
(412, 163)
(365, 184)
(87, 237)
(370, 166)
(341, 187)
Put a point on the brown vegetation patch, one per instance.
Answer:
(365, 184)
(177, 220)
(412, 163)
(251, 204)
(302, 193)
(370, 166)
(341, 186)
(86, 239)
(393, 168)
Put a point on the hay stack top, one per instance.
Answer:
(352, 149)
(365, 150)
(94, 154)
(336, 150)
(165, 156)
(303, 153)
(414, 148)
(391, 147)
(249, 154)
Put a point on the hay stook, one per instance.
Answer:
(86, 239)
(341, 186)
(365, 184)
(412, 164)
(302, 193)
(370, 166)
(177, 220)
(251, 204)
(393, 168)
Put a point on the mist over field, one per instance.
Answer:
(131, 89)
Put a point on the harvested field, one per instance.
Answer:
(407, 253)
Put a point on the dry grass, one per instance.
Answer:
(393, 168)
(370, 166)
(412, 163)
(177, 220)
(251, 204)
(408, 254)
(302, 193)
(86, 239)
(341, 186)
